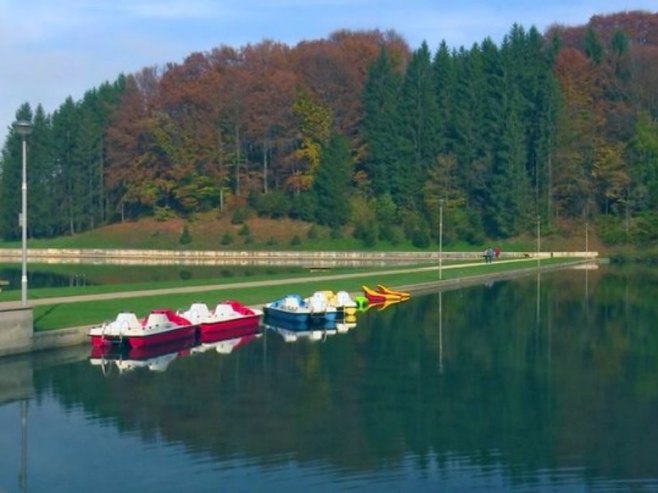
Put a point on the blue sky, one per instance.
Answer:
(50, 50)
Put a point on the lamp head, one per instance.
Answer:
(23, 127)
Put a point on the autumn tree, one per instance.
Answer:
(314, 126)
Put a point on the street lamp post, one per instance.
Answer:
(440, 239)
(23, 127)
(538, 236)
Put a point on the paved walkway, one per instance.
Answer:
(246, 284)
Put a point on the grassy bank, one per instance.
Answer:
(210, 231)
(140, 298)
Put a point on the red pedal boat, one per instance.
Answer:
(158, 327)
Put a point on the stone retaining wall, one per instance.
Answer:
(16, 330)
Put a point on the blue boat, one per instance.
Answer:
(297, 331)
(294, 309)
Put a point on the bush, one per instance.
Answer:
(420, 238)
(610, 230)
(643, 230)
(367, 233)
(239, 215)
(393, 234)
(303, 207)
(227, 238)
(411, 221)
(273, 204)
(185, 237)
(312, 233)
(244, 230)
(385, 210)
(162, 214)
(271, 242)
(295, 241)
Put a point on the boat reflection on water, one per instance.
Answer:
(380, 306)
(155, 358)
(159, 357)
(292, 331)
(225, 346)
(347, 323)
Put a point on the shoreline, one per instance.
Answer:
(73, 336)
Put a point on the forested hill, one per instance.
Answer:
(358, 129)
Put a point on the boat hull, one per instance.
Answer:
(300, 317)
(379, 297)
(229, 329)
(144, 340)
(164, 337)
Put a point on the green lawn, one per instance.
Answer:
(61, 315)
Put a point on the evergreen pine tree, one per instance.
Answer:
(332, 183)
(417, 123)
(11, 178)
(379, 108)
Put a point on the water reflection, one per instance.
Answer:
(159, 357)
(518, 386)
(295, 332)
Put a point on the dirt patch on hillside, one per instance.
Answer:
(206, 232)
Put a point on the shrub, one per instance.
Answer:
(393, 234)
(302, 207)
(239, 215)
(185, 237)
(227, 238)
(295, 241)
(244, 230)
(420, 238)
(367, 233)
(312, 233)
(335, 234)
(610, 230)
(273, 204)
(643, 230)
(385, 209)
(163, 213)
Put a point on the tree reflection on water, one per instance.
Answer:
(535, 378)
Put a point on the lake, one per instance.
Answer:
(544, 383)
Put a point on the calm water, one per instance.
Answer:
(537, 384)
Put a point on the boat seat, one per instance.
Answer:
(343, 299)
(198, 311)
(223, 310)
(290, 303)
(317, 303)
(156, 319)
(127, 320)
